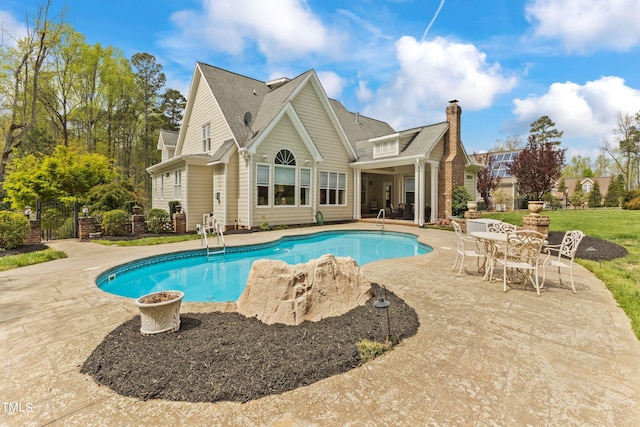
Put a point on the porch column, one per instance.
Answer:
(357, 187)
(434, 190)
(420, 193)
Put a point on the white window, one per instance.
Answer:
(160, 186)
(206, 138)
(333, 188)
(385, 148)
(284, 178)
(177, 185)
(587, 187)
(263, 173)
(409, 190)
(305, 187)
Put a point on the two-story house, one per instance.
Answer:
(282, 152)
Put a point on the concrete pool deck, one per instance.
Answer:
(481, 356)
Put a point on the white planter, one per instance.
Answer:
(472, 205)
(157, 317)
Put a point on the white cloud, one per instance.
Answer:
(587, 25)
(282, 29)
(432, 73)
(363, 93)
(11, 29)
(332, 83)
(581, 111)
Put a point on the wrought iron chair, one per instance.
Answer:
(521, 253)
(466, 247)
(562, 255)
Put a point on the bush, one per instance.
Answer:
(369, 350)
(114, 222)
(14, 229)
(459, 202)
(158, 221)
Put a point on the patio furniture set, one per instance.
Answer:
(517, 254)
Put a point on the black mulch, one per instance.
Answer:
(604, 250)
(229, 357)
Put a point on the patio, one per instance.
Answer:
(480, 357)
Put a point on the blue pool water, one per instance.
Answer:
(222, 277)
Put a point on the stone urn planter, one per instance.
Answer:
(472, 205)
(137, 210)
(535, 207)
(160, 312)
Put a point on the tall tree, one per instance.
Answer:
(595, 196)
(544, 130)
(149, 79)
(23, 64)
(57, 91)
(576, 167)
(625, 150)
(487, 182)
(602, 166)
(172, 108)
(510, 143)
(615, 193)
(537, 168)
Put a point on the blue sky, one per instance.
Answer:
(508, 62)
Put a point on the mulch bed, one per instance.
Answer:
(604, 250)
(229, 357)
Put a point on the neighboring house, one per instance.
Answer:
(499, 161)
(281, 152)
(586, 184)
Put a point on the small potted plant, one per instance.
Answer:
(160, 312)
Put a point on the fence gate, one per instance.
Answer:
(58, 220)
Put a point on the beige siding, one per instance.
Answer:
(336, 158)
(438, 151)
(242, 215)
(232, 194)
(284, 135)
(200, 197)
(219, 207)
(470, 183)
(205, 110)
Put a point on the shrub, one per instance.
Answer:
(172, 206)
(369, 350)
(459, 202)
(158, 221)
(114, 222)
(66, 230)
(14, 229)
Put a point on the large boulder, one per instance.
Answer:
(277, 292)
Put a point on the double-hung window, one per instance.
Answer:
(333, 188)
(177, 185)
(305, 187)
(262, 181)
(284, 178)
(206, 138)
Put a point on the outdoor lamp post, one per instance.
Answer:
(85, 210)
(27, 211)
(383, 304)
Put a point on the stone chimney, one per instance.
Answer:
(451, 172)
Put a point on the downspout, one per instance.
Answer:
(356, 196)
(314, 191)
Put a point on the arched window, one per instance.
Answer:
(284, 179)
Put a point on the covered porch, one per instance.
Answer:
(405, 188)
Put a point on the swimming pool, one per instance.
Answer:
(222, 277)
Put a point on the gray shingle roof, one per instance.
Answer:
(169, 137)
(364, 128)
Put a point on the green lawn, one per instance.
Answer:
(621, 276)
(15, 261)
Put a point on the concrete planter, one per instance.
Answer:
(472, 205)
(535, 207)
(160, 312)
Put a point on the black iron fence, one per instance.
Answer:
(58, 220)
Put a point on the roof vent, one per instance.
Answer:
(276, 83)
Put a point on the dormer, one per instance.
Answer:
(386, 146)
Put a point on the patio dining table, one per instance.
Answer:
(491, 239)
